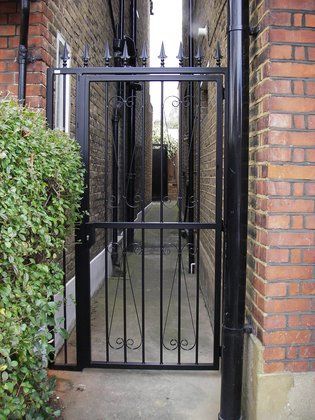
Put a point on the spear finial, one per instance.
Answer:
(125, 56)
(162, 55)
(218, 54)
(144, 55)
(65, 56)
(85, 56)
(180, 55)
(107, 55)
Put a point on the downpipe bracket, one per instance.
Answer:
(247, 329)
(254, 31)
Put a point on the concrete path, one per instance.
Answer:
(129, 395)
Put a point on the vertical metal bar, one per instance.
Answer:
(191, 37)
(106, 167)
(218, 223)
(180, 209)
(64, 93)
(236, 189)
(130, 160)
(179, 303)
(50, 98)
(198, 137)
(180, 152)
(143, 111)
(161, 220)
(115, 167)
(64, 268)
(50, 122)
(124, 218)
(64, 257)
(82, 252)
(190, 192)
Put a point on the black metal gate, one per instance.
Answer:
(152, 307)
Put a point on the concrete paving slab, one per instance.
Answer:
(129, 395)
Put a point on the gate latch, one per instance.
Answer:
(88, 236)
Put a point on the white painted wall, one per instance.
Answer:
(97, 273)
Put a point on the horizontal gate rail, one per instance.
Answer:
(139, 70)
(151, 225)
(155, 366)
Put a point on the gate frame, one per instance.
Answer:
(85, 233)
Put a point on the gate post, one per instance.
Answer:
(236, 202)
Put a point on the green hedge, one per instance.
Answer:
(41, 182)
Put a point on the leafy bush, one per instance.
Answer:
(41, 182)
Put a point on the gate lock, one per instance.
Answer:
(87, 236)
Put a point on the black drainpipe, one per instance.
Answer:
(133, 13)
(121, 19)
(22, 54)
(236, 203)
(111, 14)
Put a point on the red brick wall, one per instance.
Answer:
(8, 46)
(282, 188)
(9, 41)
